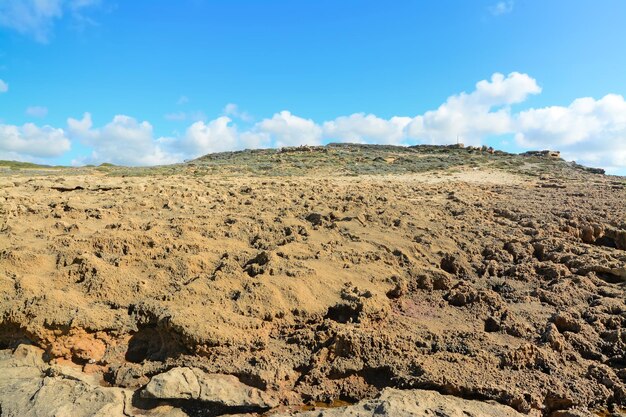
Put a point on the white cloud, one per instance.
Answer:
(361, 128)
(182, 100)
(285, 129)
(123, 141)
(476, 115)
(219, 135)
(588, 130)
(4, 87)
(473, 116)
(501, 90)
(216, 136)
(502, 7)
(30, 140)
(37, 111)
(36, 18)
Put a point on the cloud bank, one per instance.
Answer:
(590, 131)
(124, 141)
(30, 142)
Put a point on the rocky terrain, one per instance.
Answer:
(327, 281)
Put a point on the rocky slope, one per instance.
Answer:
(276, 281)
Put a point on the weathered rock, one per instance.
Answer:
(455, 265)
(194, 384)
(31, 388)
(566, 323)
(462, 294)
(27, 390)
(178, 383)
(554, 338)
(314, 218)
(543, 154)
(398, 289)
(414, 403)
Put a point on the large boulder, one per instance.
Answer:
(194, 384)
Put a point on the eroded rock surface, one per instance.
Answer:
(194, 384)
(501, 280)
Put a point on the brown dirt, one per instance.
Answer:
(479, 283)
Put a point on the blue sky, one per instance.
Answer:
(151, 81)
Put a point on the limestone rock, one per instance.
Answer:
(414, 403)
(26, 390)
(194, 384)
(30, 388)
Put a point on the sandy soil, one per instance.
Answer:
(479, 283)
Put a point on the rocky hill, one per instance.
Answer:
(316, 281)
